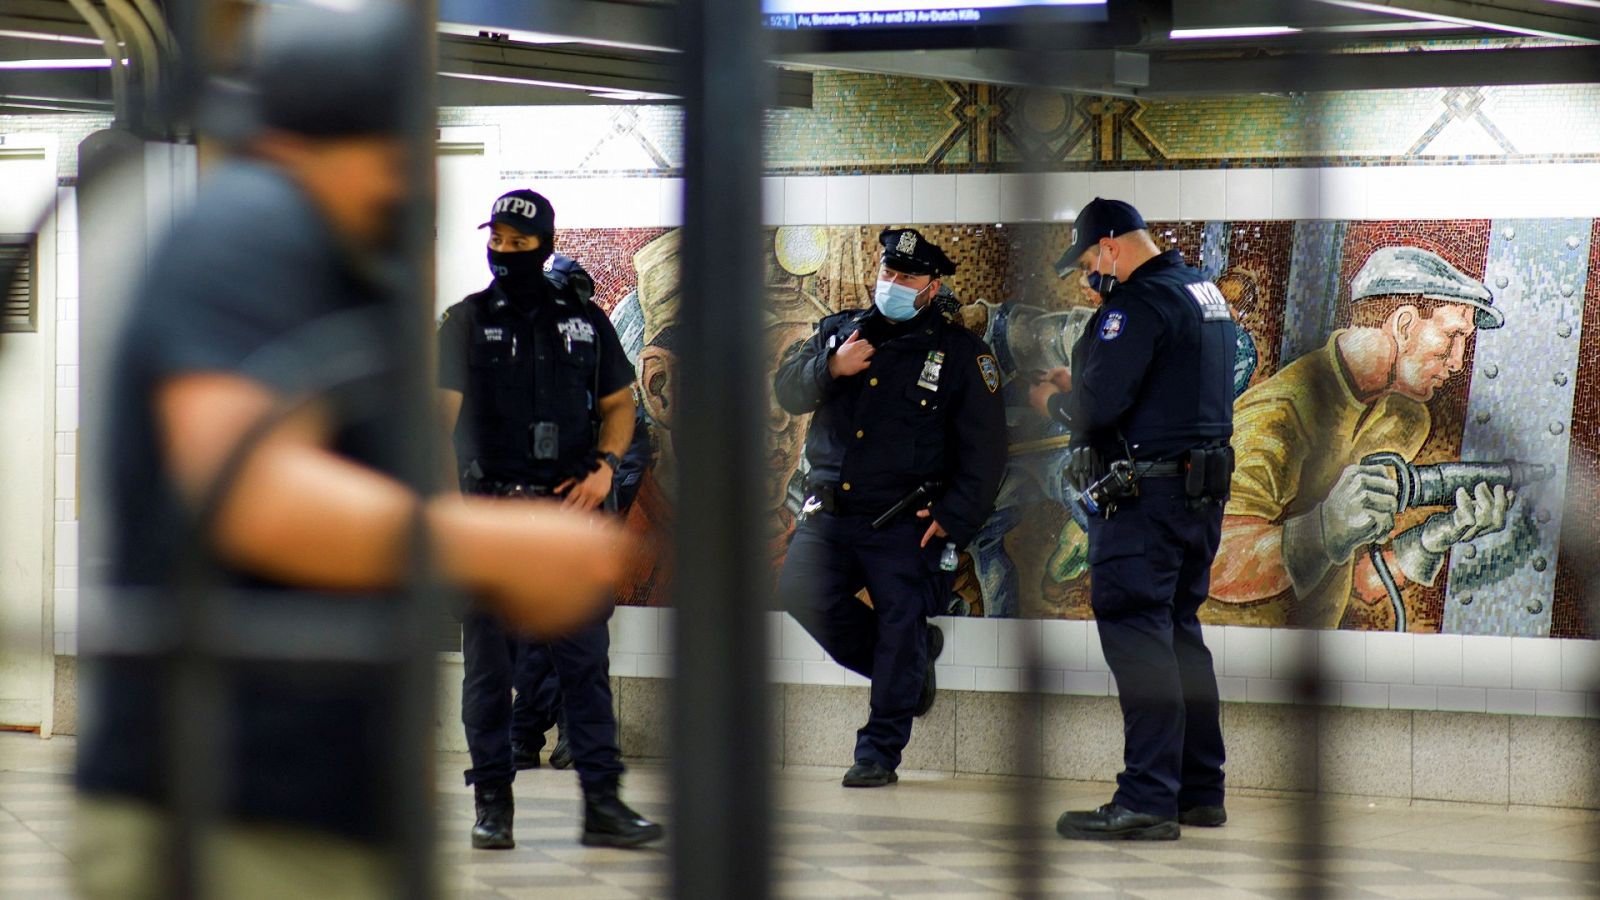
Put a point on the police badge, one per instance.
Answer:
(931, 369)
(990, 371)
(908, 243)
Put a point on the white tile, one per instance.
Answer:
(1064, 194)
(1018, 642)
(1065, 644)
(671, 214)
(1389, 658)
(66, 476)
(67, 643)
(772, 190)
(1342, 655)
(1233, 690)
(64, 510)
(997, 680)
(1296, 193)
(1216, 640)
(666, 628)
(1594, 706)
(1248, 652)
(635, 630)
(972, 642)
(889, 199)
(785, 671)
(1342, 193)
(1437, 658)
(1022, 198)
(797, 644)
(67, 275)
(1413, 696)
(1088, 684)
(654, 665)
(67, 209)
(1051, 681)
(1202, 195)
(1485, 661)
(66, 377)
(63, 440)
(1364, 695)
(933, 199)
(624, 665)
(66, 343)
(67, 576)
(1249, 194)
(66, 543)
(978, 198)
(852, 679)
(956, 678)
(1269, 690)
(66, 243)
(1535, 664)
(66, 409)
(1562, 703)
(775, 634)
(1462, 699)
(1515, 703)
(1112, 186)
(67, 310)
(805, 200)
(67, 611)
(1580, 665)
(1097, 654)
(1156, 195)
(848, 200)
(821, 672)
(1294, 652)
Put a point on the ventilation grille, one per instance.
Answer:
(17, 278)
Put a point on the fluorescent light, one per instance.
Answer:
(526, 82)
(1380, 27)
(57, 38)
(1388, 10)
(55, 63)
(1186, 34)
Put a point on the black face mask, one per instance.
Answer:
(519, 273)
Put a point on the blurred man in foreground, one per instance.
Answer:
(254, 381)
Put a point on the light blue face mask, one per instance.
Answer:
(897, 302)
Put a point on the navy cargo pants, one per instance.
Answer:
(537, 708)
(582, 666)
(1150, 570)
(831, 558)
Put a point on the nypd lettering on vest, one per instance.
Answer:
(1213, 306)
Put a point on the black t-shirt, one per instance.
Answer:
(251, 282)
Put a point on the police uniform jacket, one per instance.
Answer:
(522, 361)
(926, 409)
(1154, 366)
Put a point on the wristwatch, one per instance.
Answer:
(612, 460)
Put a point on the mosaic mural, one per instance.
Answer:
(1345, 374)
(862, 123)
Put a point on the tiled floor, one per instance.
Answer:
(934, 836)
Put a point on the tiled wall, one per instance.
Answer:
(66, 438)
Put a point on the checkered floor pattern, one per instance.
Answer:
(936, 837)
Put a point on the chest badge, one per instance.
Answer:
(990, 370)
(932, 367)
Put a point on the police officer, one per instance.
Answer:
(538, 394)
(1149, 401)
(906, 446)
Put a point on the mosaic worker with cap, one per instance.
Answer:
(1303, 502)
(1149, 404)
(907, 444)
(537, 395)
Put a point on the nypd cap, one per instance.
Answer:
(526, 211)
(1412, 270)
(1100, 218)
(906, 250)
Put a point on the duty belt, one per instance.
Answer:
(1170, 468)
(513, 489)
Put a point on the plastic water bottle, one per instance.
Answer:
(947, 559)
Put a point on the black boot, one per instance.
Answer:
(1115, 823)
(561, 756)
(930, 684)
(524, 756)
(608, 822)
(492, 831)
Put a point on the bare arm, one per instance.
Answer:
(301, 514)
(616, 421)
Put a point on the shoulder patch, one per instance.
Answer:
(444, 317)
(990, 369)
(1111, 326)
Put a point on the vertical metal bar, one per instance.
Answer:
(720, 758)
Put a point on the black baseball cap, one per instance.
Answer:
(526, 211)
(1100, 218)
(906, 250)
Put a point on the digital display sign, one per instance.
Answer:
(849, 15)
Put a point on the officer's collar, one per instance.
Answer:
(502, 303)
(921, 329)
(1163, 260)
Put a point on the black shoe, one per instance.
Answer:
(1203, 816)
(524, 755)
(930, 684)
(869, 775)
(492, 831)
(561, 756)
(1113, 823)
(608, 822)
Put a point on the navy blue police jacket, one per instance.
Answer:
(928, 408)
(1154, 366)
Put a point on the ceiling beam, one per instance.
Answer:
(1578, 21)
(643, 25)
(1373, 71)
